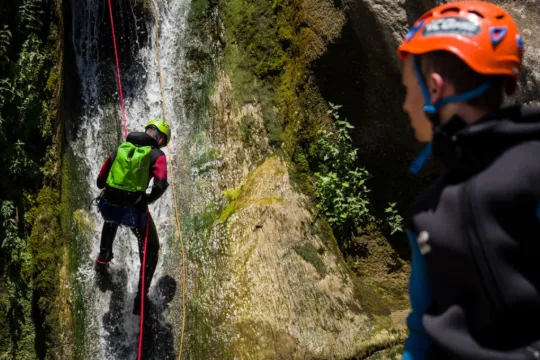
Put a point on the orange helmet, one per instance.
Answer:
(481, 34)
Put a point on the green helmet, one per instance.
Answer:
(163, 128)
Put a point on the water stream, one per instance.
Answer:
(111, 331)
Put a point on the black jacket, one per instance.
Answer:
(480, 239)
(158, 171)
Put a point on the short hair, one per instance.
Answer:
(464, 79)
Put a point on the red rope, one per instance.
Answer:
(142, 286)
(118, 72)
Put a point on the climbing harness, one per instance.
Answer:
(169, 159)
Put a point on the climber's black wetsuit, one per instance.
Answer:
(119, 200)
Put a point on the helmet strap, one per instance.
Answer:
(432, 110)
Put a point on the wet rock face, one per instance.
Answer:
(527, 14)
(267, 280)
(281, 288)
(286, 286)
(273, 284)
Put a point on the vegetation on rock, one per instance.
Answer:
(30, 236)
(266, 51)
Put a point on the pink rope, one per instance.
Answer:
(142, 287)
(118, 72)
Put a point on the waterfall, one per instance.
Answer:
(110, 330)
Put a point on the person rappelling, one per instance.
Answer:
(124, 177)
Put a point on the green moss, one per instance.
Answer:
(45, 246)
(229, 210)
(201, 52)
(199, 225)
(52, 81)
(246, 128)
(29, 302)
(258, 36)
(241, 197)
(380, 276)
(301, 180)
(268, 62)
(268, 48)
(386, 346)
(199, 12)
(76, 230)
(146, 7)
(208, 341)
(204, 163)
(232, 194)
(309, 253)
(264, 337)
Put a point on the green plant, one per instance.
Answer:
(5, 39)
(30, 15)
(393, 219)
(341, 185)
(30, 66)
(6, 92)
(11, 242)
(246, 128)
(29, 228)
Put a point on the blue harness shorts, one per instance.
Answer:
(128, 216)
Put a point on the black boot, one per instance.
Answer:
(102, 262)
(137, 304)
(103, 276)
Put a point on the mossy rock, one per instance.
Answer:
(309, 253)
(381, 277)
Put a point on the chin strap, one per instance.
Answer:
(432, 110)
(421, 160)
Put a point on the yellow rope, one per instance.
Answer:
(169, 158)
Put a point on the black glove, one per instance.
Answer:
(157, 191)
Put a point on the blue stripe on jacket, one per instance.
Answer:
(418, 341)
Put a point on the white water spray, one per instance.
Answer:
(111, 330)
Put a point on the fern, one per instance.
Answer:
(5, 40)
(30, 16)
(29, 68)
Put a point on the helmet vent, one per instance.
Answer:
(452, 9)
(500, 17)
(476, 13)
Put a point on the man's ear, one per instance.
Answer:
(436, 87)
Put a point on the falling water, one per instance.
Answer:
(111, 331)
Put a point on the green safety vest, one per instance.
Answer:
(130, 170)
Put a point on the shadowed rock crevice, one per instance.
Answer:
(360, 71)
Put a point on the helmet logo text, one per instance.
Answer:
(451, 25)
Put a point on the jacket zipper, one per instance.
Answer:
(481, 257)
